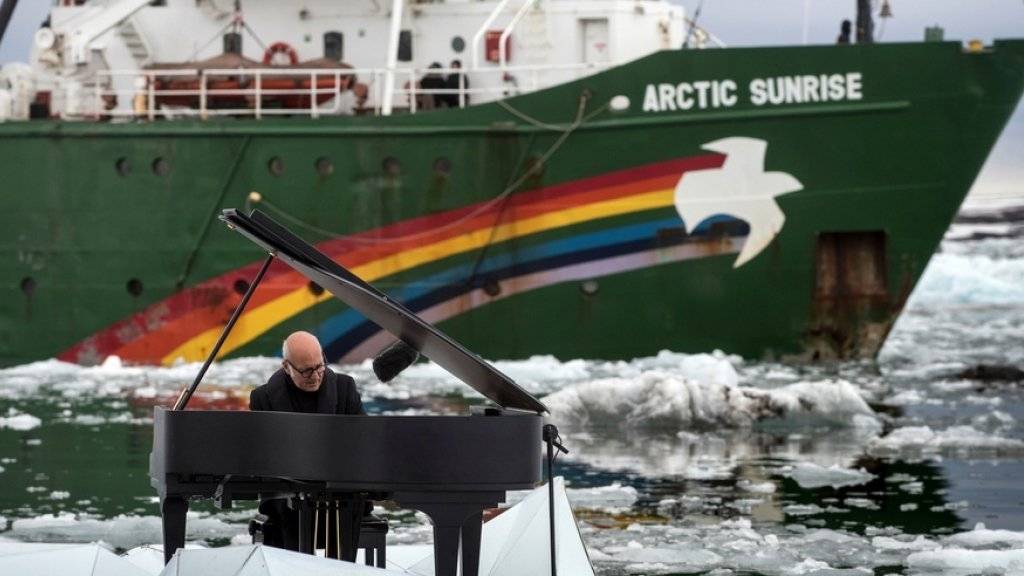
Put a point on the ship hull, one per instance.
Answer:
(733, 204)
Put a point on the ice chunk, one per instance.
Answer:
(658, 399)
(756, 487)
(810, 475)
(970, 279)
(16, 420)
(905, 398)
(612, 497)
(123, 531)
(982, 537)
(917, 544)
(923, 438)
(803, 509)
(965, 561)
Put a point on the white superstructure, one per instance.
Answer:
(93, 57)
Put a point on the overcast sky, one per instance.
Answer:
(767, 22)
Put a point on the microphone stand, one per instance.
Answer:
(186, 394)
(553, 440)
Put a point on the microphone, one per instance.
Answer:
(390, 361)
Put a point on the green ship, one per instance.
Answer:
(769, 202)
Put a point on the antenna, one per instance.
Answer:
(693, 24)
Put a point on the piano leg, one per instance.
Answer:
(471, 543)
(456, 516)
(173, 509)
(452, 522)
(304, 507)
(446, 549)
(351, 517)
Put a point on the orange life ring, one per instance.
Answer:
(280, 48)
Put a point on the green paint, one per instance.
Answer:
(900, 160)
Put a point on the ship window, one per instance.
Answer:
(134, 287)
(442, 166)
(458, 44)
(276, 166)
(161, 166)
(28, 285)
(314, 288)
(405, 46)
(122, 166)
(391, 166)
(324, 166)
(334, 46)
(241, 286)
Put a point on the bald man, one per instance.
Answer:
(304, 383)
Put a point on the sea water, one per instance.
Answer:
(678, 464)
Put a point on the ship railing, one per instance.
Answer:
(264, 92)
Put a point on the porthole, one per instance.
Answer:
(442, 166)
(458, 44)
(589, 288)
(28, 285)
(161, 167)
(324, 166)
(492, 288)
(241, 286)
(391, 166)
(314, 288)
(134, 287)
(122, 166)
(275, 166)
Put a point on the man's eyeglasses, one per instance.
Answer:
(307, 373)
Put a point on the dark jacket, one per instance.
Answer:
(337, 395)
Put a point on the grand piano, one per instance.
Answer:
(449, 467)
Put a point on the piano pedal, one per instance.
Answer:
(256, 528)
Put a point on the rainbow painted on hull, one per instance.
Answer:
(188, 333)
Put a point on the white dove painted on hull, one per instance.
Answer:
(740, 188)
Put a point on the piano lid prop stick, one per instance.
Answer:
(186, 394)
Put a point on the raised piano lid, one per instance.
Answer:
(382, 310)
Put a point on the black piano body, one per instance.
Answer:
(449, 467)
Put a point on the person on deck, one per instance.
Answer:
(433, 85)
(304, 383)
(458, 85)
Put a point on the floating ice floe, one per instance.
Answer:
(114, 379)
(612, 498)
(888, 543)
(810, 475)
(20, 421)
(659, 399)
(124, 531)
(970, 279)
(982, 537)
(962, 562)
(955, 438)
(756, 487)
